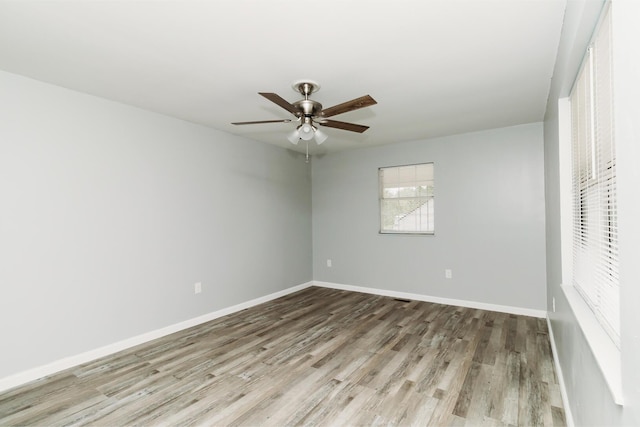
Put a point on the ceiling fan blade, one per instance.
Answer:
(354, 104)
(278, 100)
(262, 121)
(343, 125)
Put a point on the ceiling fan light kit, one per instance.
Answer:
(294, 137)
(305, 131)
(320, 136)
(310, 113)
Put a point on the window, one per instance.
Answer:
(407, 199)
(595, 228)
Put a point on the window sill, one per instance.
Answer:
(408, 233)
(605, 352)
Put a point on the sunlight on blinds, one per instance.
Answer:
(595, 228)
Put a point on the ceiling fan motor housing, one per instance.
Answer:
(308, 107)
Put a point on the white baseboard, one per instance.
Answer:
(563, 389)
(69, 362)
(448, 301)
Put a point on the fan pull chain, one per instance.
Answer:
(307, 159)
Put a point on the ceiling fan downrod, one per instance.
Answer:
(306, 88)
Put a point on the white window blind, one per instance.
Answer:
(595, 228)
(407, 199)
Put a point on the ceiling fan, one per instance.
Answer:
(310, 113)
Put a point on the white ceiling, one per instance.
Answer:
(436, 67)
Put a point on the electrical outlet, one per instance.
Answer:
(197, 288)
(448, 274)
(553, 304)
(328, 263)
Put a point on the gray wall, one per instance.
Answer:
(110, 214)
(489, 222)
(590, 401)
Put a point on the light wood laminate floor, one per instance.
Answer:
(316, 357)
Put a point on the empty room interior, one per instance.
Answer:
(333, 213)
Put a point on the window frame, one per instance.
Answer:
(594, 185)
(429, 199)
(606, 353)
